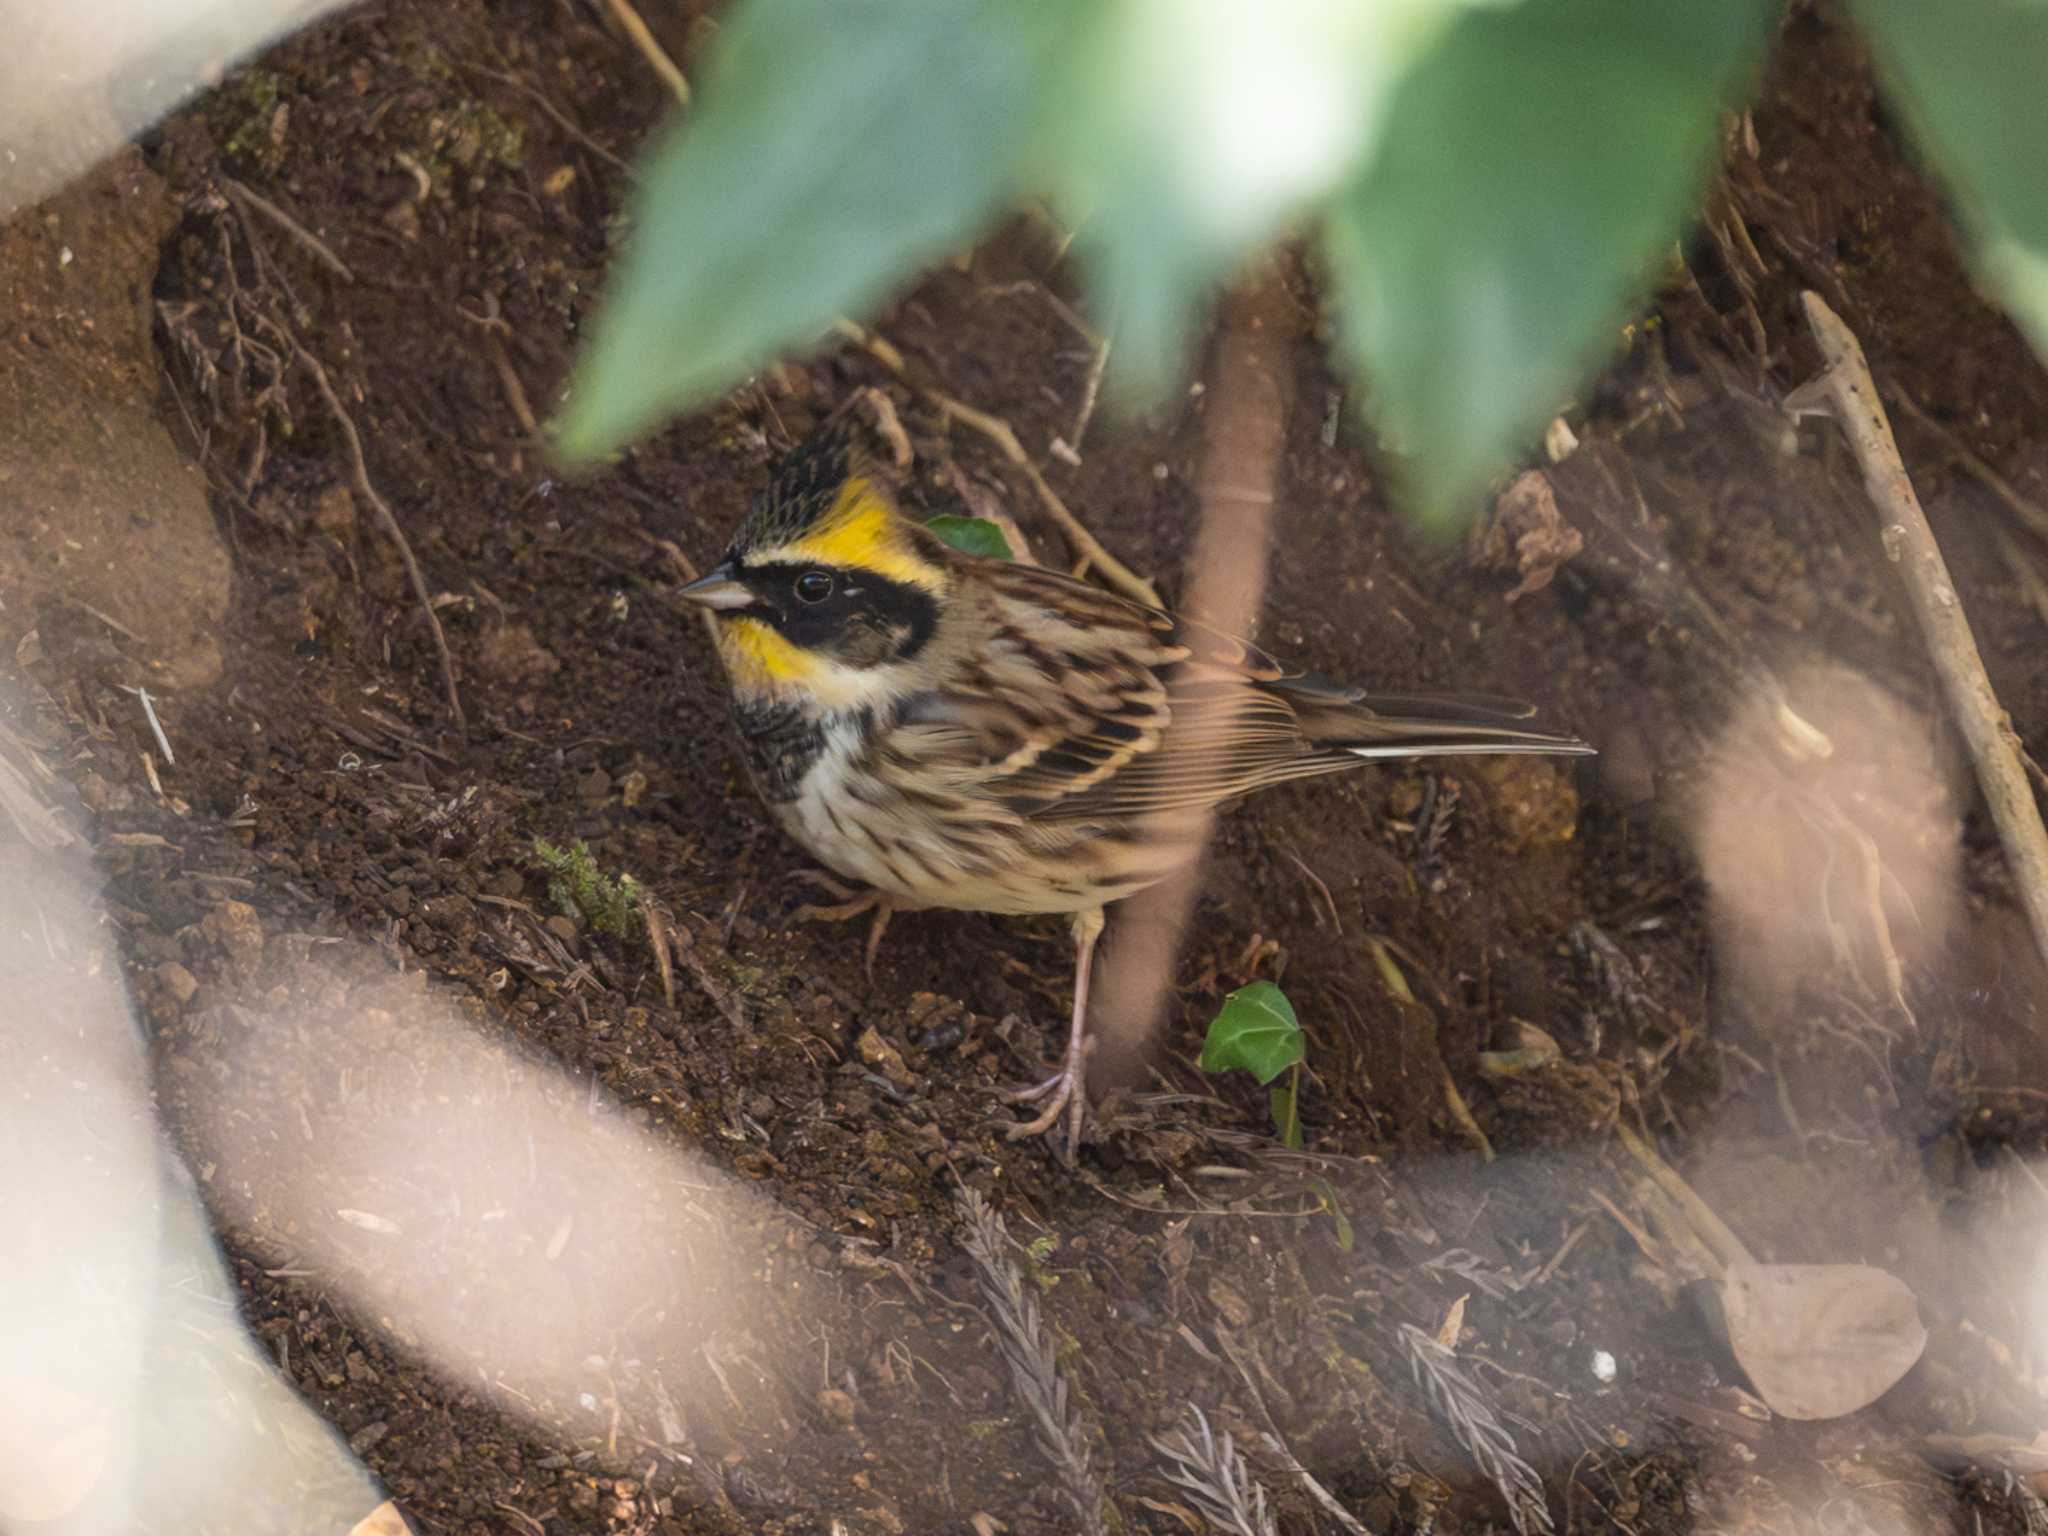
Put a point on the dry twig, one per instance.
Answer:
(359, 471)
(1847, 392)
(651, 49)
(1114, 572)
(1034, 1368)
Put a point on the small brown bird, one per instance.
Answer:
(958, 731)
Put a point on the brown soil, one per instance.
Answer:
(321, 783)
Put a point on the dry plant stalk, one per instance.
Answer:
(1034, 1367)
(1115, 574)
(1215, 1476)
(1847, 392)
(1464, 1407)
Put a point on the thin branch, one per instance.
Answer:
(359, 471)
(651, 49)
(1848, 393)
(1114, 572)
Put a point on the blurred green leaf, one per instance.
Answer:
(1972, 75)
(1190, 130)
(972, 535)
(1532, 168)
(1255, 1029)
(837, 148)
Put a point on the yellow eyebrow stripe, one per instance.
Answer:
(862, 532)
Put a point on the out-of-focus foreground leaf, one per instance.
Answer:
(837, 148)
(1531, 169)
(1972, 75)
(1196, 128)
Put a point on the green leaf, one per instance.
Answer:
(837, 148)
(1532, 169)
(972, 535)
(1188, 131)
(1256, 1030)
(1327, 1192)
(1970, 74)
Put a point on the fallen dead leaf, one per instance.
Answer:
(1821, 1340)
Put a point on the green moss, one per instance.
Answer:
(246, 108)
(579, 889)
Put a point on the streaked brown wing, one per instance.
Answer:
(1079, 705)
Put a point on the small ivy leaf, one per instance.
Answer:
(1255, 1029)
(971, 535)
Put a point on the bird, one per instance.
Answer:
(960, 731)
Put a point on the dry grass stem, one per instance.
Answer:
(1114, 572)
(1027, 1347)
(1847, 392)
(650, 49)
(359, 472)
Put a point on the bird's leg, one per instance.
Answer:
(852, 904)
(1066, 1091)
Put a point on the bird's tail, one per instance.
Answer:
(1376, 725)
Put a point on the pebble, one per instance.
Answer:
(179, 982)
(877, 1052)
(236, 928)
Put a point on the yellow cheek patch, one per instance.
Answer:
(863, 532)
(758, 656)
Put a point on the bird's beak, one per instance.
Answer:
(720, 589)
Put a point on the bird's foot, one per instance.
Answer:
(1065, 1093)
(851, 904)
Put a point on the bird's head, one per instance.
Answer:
(828, 589)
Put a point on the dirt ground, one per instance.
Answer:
(464, 163)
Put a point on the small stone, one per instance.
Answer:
(508, 883)
(178, 982)
(334, 514)
(236, 928)
(512, 655)
(879, 1053)
(563, 928)
(632, 789)
(399, 899)
(368, 1435)
(594, 787)
(837, 1407)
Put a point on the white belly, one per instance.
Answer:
(909, 856)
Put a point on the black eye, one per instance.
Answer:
(814, 586)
